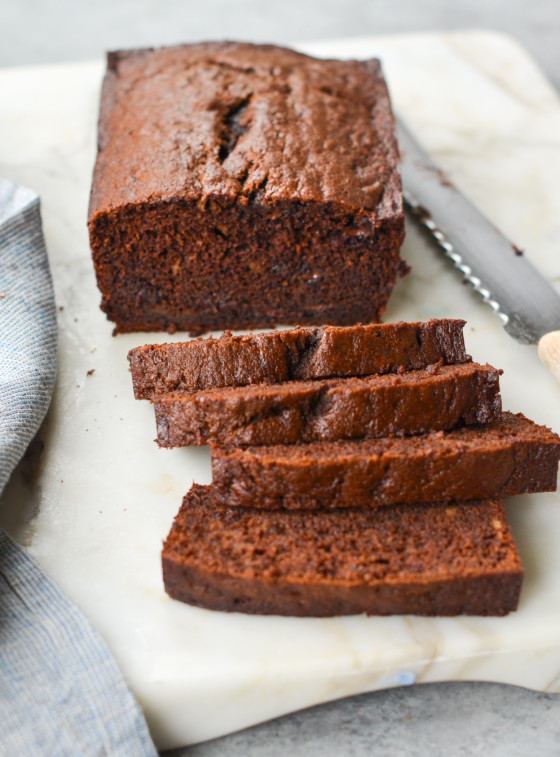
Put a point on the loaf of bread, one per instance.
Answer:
(295, 354)
(435, 398)
(511, 455)
(418, 559)
(241, 186)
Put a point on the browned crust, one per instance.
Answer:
(322, 130)
(496, 594)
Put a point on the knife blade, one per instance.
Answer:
(526, 302)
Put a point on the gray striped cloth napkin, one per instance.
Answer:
(61, 692)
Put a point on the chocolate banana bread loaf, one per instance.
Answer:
(419, 559)
(435, 398)
(511, 455)
(295, 354)
(241, 186)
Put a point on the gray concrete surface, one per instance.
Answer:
(47, 31)
(439, 719)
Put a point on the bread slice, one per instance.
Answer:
(436, 398)
(511, 455)
(294, 354)
(419, 559)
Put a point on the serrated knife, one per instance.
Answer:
(525, 301)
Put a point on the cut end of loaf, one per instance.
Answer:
(174, 265)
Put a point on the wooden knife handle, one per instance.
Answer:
(549, 352)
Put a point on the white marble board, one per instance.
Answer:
(102, 497)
